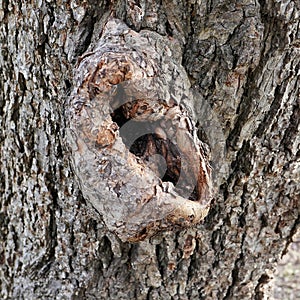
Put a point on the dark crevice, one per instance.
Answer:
(22, 83)
(277, 229)
(274, 39)
(149, 293)
(169, 29)
(5, 9)
(72, 246)
(264, 220)
(243, 162)
(292, 131)
(270, 116)
(244, 207)
(68, 86)
(16, 111)
(259, 295)
(244, 109)
(235, 272)
(194, 265)
(202, 134)
(293, 231)
(216, 240)
(105, 252)
(52, 230)
(85, 35)
(162, 258)
(86, 27)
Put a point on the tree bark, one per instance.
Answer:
(240, 60)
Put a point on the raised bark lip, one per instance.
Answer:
(102, 73)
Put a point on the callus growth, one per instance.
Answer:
(159, 176)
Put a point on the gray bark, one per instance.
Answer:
(242, 63)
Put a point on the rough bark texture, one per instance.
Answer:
(286, 279)
(242, 58)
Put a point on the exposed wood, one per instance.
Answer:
(128, 71)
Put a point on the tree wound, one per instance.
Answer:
(134, 145)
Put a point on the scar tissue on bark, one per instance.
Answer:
(134, 145)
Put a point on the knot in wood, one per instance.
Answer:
(135, 149)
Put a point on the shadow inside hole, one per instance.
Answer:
(149, 146)
(141, 140)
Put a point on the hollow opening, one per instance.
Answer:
(160, 153)
(142, 141)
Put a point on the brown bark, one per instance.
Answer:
(242, 62)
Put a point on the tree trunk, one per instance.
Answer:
(234, 66)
